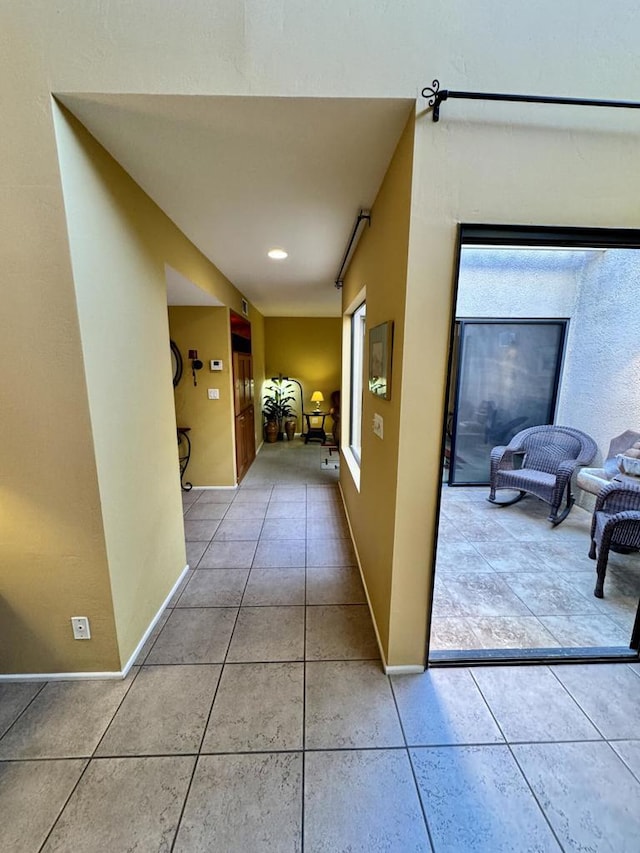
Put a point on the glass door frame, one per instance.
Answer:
(563, 323)
(521, 236)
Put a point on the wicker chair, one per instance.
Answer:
(615, 525)
(540, 460)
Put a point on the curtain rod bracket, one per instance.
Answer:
(435, 96)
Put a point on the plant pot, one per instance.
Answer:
(271, 432)
(290, 428)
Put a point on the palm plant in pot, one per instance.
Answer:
(276, 409)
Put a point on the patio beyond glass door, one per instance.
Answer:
(507, 380)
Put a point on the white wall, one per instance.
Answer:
(600, 390)
(518, 283)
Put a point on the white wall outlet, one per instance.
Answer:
(81, 630)
(213, 393)
(378, 425)
(215, 364)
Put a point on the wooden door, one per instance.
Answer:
(244, 414)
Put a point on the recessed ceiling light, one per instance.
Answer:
(277, 254)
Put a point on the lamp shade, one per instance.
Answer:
(317, 398)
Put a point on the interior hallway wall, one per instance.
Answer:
(206, 330)
(467, 168)
(120, 242)
(309, 349)
(379, 263)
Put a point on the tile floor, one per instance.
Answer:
(507, 579)
(258, 718)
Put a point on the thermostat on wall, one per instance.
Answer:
(216, 364)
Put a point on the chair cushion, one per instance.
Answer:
(523, 478)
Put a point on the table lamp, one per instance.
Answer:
(317, 398)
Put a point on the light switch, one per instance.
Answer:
(215, 364)
(213, 393)
(377, 425)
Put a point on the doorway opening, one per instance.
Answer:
(544, 334)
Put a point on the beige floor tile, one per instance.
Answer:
(476, 801)
(207, 511)
(335, 586)
(327, 528)
(284, 528)
(349, 705)
(220, 588)
(52, 727)
(244, 803)
(443, 706)
(195, 550)
(238, 530)
(274, 586)
(287, 509)
(32, 794)
(362, 800)
(285, 553)
(194, 635)
(331, 552)
(512, 632)
(124, 804)
(14, 698)
(258, 708)
(264, 634)
(228, 555)
(165, 712)
(340, 632)
(200, 530)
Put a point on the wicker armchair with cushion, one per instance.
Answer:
(540, 461)
(615, 525)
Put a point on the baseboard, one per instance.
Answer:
(85, 676)
(154, 622)
(406, 669)
(410, 669)
(364, 583)
(200, 488)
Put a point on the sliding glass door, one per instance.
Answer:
(507, 380)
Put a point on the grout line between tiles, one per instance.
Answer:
(33, 698)
(413, 771)
(517, 763)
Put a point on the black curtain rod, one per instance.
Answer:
(436, 96)
(364, 214)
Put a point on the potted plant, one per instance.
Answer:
(276, 408)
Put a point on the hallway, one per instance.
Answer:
(257, 717)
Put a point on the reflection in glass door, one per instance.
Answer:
(508, 374)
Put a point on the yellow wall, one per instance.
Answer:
(380, 264)
(474, 171)
(120, 241)
(206, 330)
(307, 348)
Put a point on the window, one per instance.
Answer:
(358, 320)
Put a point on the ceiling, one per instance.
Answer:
(241, 175)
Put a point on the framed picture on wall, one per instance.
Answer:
(380, 347)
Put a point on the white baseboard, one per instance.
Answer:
(60, 676)
(78, 676)
(154, 622)
(410, 669)
(389, 670)
(200, 488)
(364, 583)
